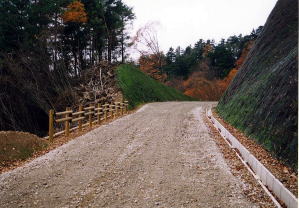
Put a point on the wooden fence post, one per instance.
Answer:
(90, 116)
(111, 110)
(67, 123)
(68, 116)
(116, 109)
(51, 125)
(80, 115)
(105, 111)
(126, 104)
(99, 115)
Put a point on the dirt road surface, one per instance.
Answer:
(160, 156)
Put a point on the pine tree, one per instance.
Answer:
(170, 56)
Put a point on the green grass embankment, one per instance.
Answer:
(139, 88)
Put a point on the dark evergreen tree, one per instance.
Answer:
(45, 47)
(170, 56)
(223, 58)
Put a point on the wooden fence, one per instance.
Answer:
(92, 114)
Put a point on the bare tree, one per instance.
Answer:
(146, 42)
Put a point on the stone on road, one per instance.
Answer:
(160, 156)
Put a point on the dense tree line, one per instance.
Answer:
(66, 34)
(222, 56)
(45, 47)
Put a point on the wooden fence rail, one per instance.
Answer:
(92, 114)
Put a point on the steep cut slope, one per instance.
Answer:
(139, 88)
(262, 99)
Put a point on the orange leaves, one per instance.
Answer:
(243, 56)
(199, 86)
(150, 64)
(207, 49)
(75, 12)
(191, 92)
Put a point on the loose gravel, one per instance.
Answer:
(160, 156)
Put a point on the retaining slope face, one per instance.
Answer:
(262, 99)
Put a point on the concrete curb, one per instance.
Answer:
(262, 173)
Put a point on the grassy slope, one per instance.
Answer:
(262, 99)
(139, 88)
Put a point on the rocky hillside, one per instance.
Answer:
(262, 99)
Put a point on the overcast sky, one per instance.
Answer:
(182, 23)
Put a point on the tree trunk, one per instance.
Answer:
(122, 42)
(76, 63)
(91, 50)
(122, 48)
(55, 42)
(109, 50)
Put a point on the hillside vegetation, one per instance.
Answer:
(203, 70)
(47, 48)
(139, 88)
(262, 99)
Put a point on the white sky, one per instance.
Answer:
(182, 23)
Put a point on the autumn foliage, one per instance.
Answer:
(150, 64)
(199, 86)
(207, 49)
(75, 12)
(244, 54)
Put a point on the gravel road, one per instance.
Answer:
(160, 156)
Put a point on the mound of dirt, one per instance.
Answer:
(15, 146)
